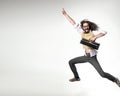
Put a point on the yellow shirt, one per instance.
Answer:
(87, 36)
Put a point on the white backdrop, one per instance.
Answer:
(36, 43)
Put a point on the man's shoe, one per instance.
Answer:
(118, 82)
(74, 79)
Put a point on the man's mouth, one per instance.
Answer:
(87, 30)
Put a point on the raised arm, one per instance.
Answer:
(68, 17)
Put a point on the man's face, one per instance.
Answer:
(86, 27)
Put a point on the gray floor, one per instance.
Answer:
(55, 83)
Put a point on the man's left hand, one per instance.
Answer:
(92, 39)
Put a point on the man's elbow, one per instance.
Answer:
(103, 33)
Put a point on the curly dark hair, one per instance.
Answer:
(92, 25)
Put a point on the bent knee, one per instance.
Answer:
(71, 62)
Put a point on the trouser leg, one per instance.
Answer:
(95, 63)
(81, 59)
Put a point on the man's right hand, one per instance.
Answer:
(63, 11)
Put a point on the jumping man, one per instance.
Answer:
(88, 30)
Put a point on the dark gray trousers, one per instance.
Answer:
(92, 60)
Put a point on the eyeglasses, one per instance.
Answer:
(85, 26)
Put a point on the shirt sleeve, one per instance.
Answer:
(78, 28)
(99, 31)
